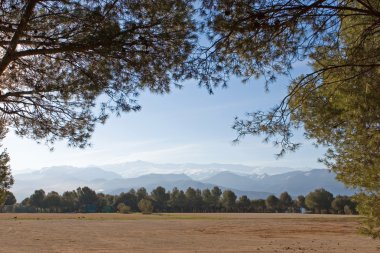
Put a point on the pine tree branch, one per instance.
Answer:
(16, 36)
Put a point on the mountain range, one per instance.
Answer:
(113, 179)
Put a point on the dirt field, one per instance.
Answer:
(182, 233)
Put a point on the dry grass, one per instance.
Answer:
(182, 233)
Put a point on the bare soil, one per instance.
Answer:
(183, 233)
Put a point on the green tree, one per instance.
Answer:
(272, 203)
(129, 199)
(336, 103)
(319, 200)
(178, 200)
(110, 199)
(105, 202)
(243, 204)
(216, 193)
(37, 199)
(343, 205)
(10, 199)
(266, 39)
(69, 201)
(208, 200)
(141, 193)
(228, 200)
(300, 202)
(367, 206)
(258, 205)
(87, 199)
(194, 199)
(198, 201)
(25, 202)
(52, 201)
(102, 203)
(160, 198)
(145, 206)
(286, 202)
(57, 58)
(6, 178)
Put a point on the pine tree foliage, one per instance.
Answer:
(6, 178)
(64, 65)
(337, 104)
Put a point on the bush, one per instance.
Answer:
(347, 210)
(145, 206)
(123, 208)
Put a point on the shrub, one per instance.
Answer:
(145, 206)
(123, 208)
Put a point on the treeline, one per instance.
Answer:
(192, 200)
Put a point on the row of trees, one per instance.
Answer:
(192, 200)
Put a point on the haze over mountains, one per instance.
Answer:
(255, 182)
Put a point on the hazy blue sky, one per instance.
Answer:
(187, 125)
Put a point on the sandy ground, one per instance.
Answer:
(182, 233)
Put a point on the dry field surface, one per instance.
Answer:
(182, 233)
